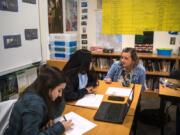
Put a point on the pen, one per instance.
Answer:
(64, 118)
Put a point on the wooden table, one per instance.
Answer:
(102, 128)
(106, 128)
(101, 89)
(165, 91)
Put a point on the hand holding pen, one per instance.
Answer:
(49, 124)
(67, 123)
(90, 89)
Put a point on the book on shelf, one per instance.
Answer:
(158, 65)
(3, 88)
(104, 63)
(12, 86)
(22, 81)
(31, 74)
(8, 86)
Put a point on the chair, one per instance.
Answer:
(5, 112)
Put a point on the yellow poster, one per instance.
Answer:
(136, 16)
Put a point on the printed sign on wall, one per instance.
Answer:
(30, 1)
(11, 41)
(9, 5)
(31, 34)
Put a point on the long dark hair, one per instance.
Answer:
(133, 53)
(48, 78)
(79, 62)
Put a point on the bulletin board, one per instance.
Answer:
(20, 44)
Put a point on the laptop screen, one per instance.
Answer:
(131, 97)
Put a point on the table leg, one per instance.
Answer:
(162, 108)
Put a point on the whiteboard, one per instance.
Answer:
(14, 23)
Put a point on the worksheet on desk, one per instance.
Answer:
(118, 91)
(90, 100)
(80, 124)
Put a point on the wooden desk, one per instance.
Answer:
(168, 94)
(102, 128)
(174, 81)
(57, 63)
(165, 91)
(101, 89)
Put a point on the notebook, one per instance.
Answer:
(114, 112)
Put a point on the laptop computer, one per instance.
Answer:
(114, 112)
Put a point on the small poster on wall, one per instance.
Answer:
(30, 1)
(84, 10)
(55, 16)
(144, 43)
(71, 15)
(84, 42)
(9, 5)
(84, 17)
(84, 23)
(84, 36)
(172, 40)
(11, 41)
(84, 4)
(84, 47)
(31, 34)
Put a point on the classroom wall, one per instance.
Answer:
(44, 30)
(91, 27)
(161, 39)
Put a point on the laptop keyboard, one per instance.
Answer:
(111, 112)
(115, 111)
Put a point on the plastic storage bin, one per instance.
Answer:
(60, 55)
(164, 51)
(63, 49)
(62, 45)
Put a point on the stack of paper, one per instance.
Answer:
(90, 100)
(118, 91)
(80, 124)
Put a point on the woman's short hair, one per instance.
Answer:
(133, 53)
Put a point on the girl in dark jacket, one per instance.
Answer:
(81, 76)
(38, 105)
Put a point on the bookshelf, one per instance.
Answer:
(103, 61)
(14, 83)
(156, 66)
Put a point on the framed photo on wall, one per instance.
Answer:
(55, 16)
(9, 5)
(70, 15)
